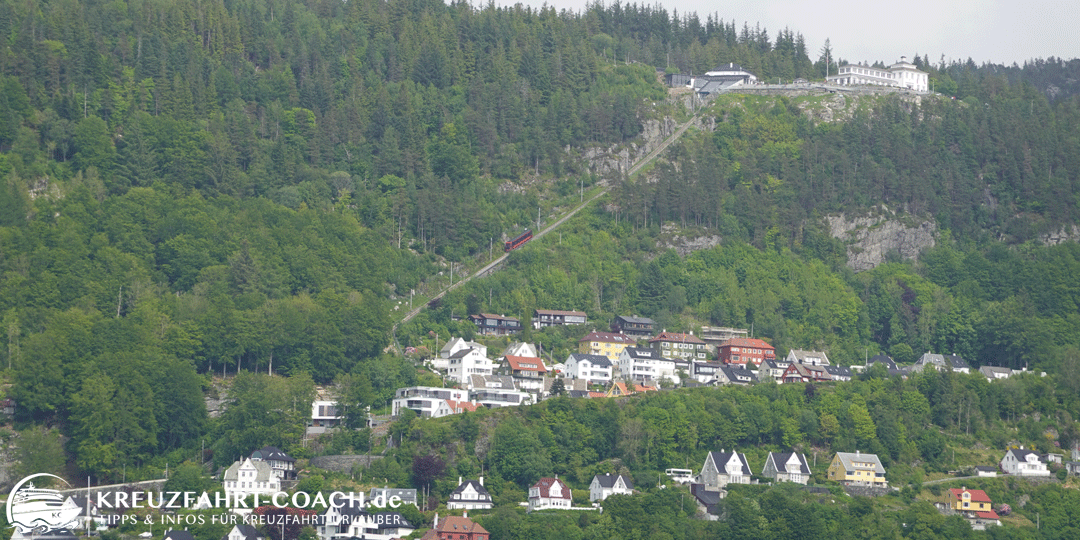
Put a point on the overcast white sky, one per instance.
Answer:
(998, 31)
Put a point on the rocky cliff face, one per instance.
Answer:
(871, 238)
(620, 158)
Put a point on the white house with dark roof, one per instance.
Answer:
(520, 348)
(723, 468)
(941, 362)
(283, 465)
(807, 358)
(242, 531)
(705, 372)
(787, 467)
(605, 485)
(470, 495)
(838, 373)
(550, 493)
(994, 373)
(249, 477)
(354, 522)
(527, 371)
(594, 368)
(647, 365)
(1020, 462)
(735, 375)
(467, 362)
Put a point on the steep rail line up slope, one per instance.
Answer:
(490, 267)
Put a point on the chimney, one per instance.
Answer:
(459, 481)
(465, 514)
(481, 480)
(856, 453)
(436, 524)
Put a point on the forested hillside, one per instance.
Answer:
(194, 190)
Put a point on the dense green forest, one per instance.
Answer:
(196, 190)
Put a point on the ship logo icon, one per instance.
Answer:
(38, 510)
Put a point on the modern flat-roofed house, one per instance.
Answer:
(633, 326)
(426, 401)
(1020, 462)
(494, 391)
(489, 324)
(723, 468)
(605, 485)
(787, 467)
(857, 469)
(324, 414)
(470, 495)
(543, 318)
(743, 351)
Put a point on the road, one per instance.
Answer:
(498, 260)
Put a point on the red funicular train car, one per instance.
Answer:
(518, 241)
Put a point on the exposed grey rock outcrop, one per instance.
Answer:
(871, 238)
(604, 161)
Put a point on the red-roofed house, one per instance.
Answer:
(619, 389)
(975, 505)
(683, 346)
(549, 493)
(528, 371)
(456, 528)
(607, 344)
(743, 351)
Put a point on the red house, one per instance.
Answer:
(456, 528)
(742, 351)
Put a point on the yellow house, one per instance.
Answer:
(857, 469)
(606, 344)
(970, 500)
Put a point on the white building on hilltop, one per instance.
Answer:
(902, 74)
(249, 477)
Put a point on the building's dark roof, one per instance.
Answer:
(271, 453)
(176, 534)
(608, 337)
(881, 359)
(247, 531)
(986, 468)
(578, 393)
(956, 362)
(545, 485)
(708, 499)
(608, 480)
(739, 375)
(838, 371)
(594, 359)
(720, 459)
(780, 460)
(482, 493)
(638, 320)
(642, 352)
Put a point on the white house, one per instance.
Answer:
(467, 362)
(647, 365)
(723, 468)
(470, 495)
(735, 375)
(427, 401)
(324, 415)
(451, 348)
(243, 531)
(594, 368)
(604, 485)
(354, 522)
(902, 74)
(549, 493)
(520, 348)
(249, 477)
(1020, 462)
(787, 467)
(497, 391)
(807, 358)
